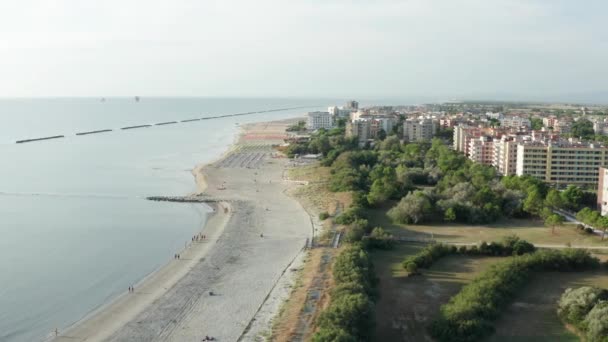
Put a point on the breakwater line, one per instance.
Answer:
(164, 123)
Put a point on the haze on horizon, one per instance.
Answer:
(511, 49)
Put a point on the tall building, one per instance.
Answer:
(505, 154)
(339, 112)
(561, 163)
(352, 104)
(481, 150)
(602, 191)
(368, 128)
(318, 120)
(419, 129)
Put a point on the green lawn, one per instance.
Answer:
(408, 304)
(532, 316)
(530, 230)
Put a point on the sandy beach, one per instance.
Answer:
(219, 285)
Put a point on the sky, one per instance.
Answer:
(294, 48)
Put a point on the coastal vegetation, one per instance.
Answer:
(586, 308)
(350, 314)
(428, 183)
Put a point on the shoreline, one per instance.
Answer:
(205, 264)
(100, 323)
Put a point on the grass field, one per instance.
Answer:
(527, 229)
(408, 304)
(532, 316)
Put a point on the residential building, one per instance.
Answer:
(423, 129)
(359, 128)
(515, 121)
(317, 120)
(339, 112)
(602, 191)
(505, 154)
(353, 105)
(481, 150)
(550, 121)
(561, 163)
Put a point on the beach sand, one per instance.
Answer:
(239, 265)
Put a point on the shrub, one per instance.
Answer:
(380, 239)
(349, 216)
(428, 255)
(596, 323)
(574, 304)
(350, 314)
(323, 216)
(523, 247)
(354, 234)
(411, 267)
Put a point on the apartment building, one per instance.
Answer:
(505, 154)
(360, 128)
(422, 129)
(481, 150)
(515, 121)
(317, 120)
(561, 163)
(602, 191)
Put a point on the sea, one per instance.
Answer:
(75, 228)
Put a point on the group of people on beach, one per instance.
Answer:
(131, 289)
(199, 237)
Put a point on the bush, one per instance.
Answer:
(349, 216)
(411, 268)
(596, 323)
(350, 314)
(468, 315)
(354, 234)
(380, 239)
(323, 216)
(428, 255)
(574, 304)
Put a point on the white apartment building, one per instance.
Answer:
(339, 112)
(515, 121)
(602, 191)
(505, 154)
(497, 116)
(419, 129)
(317, 120)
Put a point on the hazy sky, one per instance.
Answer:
(330, 48)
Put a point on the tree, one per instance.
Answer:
(413, 208)
(381, 134)
(554, 199)
(449, 215)
(554, 220)
(572, 197)
(533, 202)
(582, 128)
(536, 123)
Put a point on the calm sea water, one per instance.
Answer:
(75, 229)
